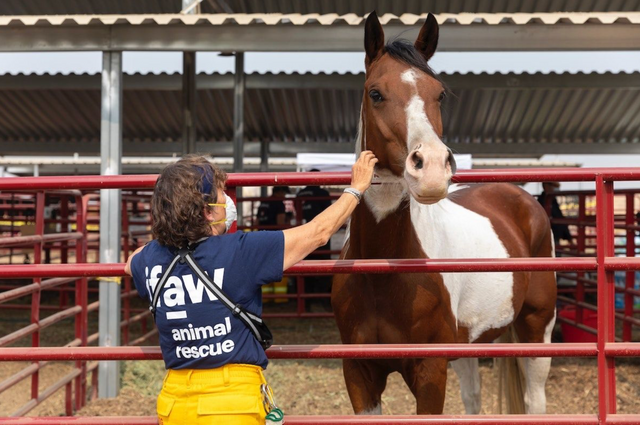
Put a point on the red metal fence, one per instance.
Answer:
(582, 220)
(604, 264)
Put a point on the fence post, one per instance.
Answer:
(581, 242)
(630, 275)
(35, 297)
(127, 279)
(82, 290)
(606, 298)
(64, 246)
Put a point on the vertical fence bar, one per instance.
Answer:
(68, 402)
(35, 297)
(300, 291)
(11, 213)
(81, 292)
(300, 280)
(631, 274)
(64, 246)
(127, 279)
(606, 298)
(581, 242)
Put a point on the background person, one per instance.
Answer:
(273, 212)
(560, 230)
(214, 362)
(310, 209)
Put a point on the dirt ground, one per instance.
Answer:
(312, 386)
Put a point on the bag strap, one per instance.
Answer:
(160, 285)
(184, 256)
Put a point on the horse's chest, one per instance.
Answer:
(479, 301)
(398, 309)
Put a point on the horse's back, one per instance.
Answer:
(516, 216)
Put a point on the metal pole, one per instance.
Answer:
(264, 164)
(606, 296)
(581, 242)
(631, 274)
(189, 94)
(110, 217)
(238, 125)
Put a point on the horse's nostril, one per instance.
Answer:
(416, 158)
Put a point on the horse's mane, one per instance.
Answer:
(403, 51)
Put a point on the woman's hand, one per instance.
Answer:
(362, 171)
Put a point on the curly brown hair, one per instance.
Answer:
(180, 198)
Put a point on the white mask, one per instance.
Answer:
(231, 211)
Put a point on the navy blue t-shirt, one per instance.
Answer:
(196, 330)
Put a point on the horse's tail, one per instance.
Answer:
(510, 379)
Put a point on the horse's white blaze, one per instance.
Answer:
(479, 301)
(419, 129)
(410, 76)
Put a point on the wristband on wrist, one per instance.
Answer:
(354, 192)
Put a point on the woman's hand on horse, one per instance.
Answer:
(362, 171)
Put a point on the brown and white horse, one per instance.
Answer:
(416, 213)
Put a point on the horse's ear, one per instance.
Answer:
(427, 41)
(373, 38)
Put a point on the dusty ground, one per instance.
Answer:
(316, 387)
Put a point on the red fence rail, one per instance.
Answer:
(604, 264)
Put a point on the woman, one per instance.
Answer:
(214, 362)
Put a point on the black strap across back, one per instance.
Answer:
(255, 324)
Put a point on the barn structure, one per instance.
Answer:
(241, 115)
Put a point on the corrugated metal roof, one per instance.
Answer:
(315, 32)
(360, 7)
(324, 19)
(487, 111)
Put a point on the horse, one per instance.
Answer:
(415, 212)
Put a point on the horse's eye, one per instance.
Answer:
(375, 96)
(442, 96)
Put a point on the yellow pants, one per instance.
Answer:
(226, 395)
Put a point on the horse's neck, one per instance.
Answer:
(374, 234)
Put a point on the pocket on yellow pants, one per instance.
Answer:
(230, 408)
(165, 404)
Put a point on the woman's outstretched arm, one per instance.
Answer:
(303, 240)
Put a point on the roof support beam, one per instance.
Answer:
(455, 81)
(287, 149)
(110, 218)
(189, 102)
(106, 35)
(239, 83)
(238, 113)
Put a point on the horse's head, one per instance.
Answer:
(401, 117)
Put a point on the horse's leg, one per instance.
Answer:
(365, 383)
(469, 374)
(534, 324)
(427, 379)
